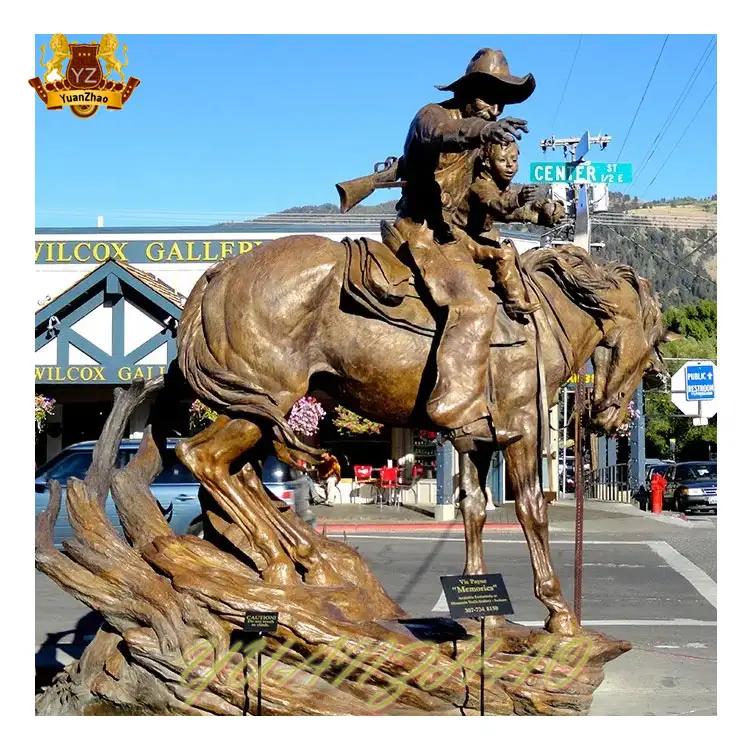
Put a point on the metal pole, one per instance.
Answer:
(260, 710)
(565, 440)
(582, 238)
(246, 707)
(481, 669)
(578, 458)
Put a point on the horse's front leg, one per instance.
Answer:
(531, 509)
(473, 468)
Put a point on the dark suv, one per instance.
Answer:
(691, 486)
(175, 488)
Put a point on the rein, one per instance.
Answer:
(559, 334)
(566, 350)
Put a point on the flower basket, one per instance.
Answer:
(349, 423)
(43, 408)
(306, 415)
(201, 416)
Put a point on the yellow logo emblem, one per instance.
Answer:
(84, 86)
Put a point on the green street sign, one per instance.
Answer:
(610, 173)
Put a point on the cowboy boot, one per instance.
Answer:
(481, 433)
(513, 289)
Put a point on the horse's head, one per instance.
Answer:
(628, 352)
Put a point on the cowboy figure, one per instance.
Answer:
(442, 147)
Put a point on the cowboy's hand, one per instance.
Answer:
(505, 130)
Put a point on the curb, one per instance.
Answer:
(677, 520)
(338, 528)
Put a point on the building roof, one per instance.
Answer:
(172, 296)
(276, 224)
(154, 283)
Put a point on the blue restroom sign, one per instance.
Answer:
(699, 382)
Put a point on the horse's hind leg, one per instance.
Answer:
(531, 509)
(209, 455)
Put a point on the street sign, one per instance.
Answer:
(586, 172)
(699, 382)
(694, 389)
(582, 147)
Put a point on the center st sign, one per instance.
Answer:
(584, 172)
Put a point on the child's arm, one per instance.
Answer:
(516, 204)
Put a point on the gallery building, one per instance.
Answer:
(109, 301)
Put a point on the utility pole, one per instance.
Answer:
(577, 148)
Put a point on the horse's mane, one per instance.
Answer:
(583, 280)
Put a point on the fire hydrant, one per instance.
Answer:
(658, 483)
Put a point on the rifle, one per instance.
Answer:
(385, 174)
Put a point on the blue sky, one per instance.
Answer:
(230, 127)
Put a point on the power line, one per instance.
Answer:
(666, 260)
(676, 107)
(703, 244)
(679, 140)
(567, 80)
(638, 108)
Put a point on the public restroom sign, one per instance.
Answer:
(699, 382)
(693, 389)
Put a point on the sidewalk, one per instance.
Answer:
(406, 517)
(409, 517)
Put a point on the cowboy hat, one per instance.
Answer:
(488, 72)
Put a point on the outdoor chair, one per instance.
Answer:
(362, 476)
(407, 481)
(388, 486)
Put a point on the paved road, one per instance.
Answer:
(649, 582)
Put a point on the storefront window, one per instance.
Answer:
(425, 451)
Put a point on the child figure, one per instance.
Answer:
(491, 198)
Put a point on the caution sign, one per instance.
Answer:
(260, 622)
(476, 595)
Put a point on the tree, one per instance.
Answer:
(698, 323)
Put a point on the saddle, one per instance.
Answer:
(379, 283)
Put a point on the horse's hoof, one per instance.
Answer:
(495, 621)
(562, 623)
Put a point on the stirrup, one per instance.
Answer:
(480, 434)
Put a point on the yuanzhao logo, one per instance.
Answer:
(83, 87)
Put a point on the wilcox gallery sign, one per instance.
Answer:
(141, 251)
(77, 374)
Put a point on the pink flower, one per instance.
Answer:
(306, 415)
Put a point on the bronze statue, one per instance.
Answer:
(400, 332)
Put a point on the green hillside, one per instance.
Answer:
(680, 263)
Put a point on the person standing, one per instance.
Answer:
(330, 473)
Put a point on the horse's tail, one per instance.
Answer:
(220, 388)
(41, 59)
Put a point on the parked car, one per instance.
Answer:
(175, 488)
(691, 486)
(642, 495)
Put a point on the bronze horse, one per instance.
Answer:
(259, 328)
